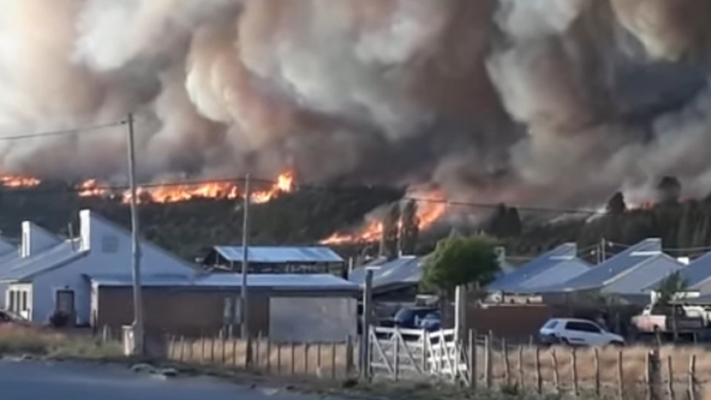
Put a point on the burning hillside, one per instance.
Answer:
(429, 211)
(169, 193)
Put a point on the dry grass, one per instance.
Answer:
(523, 370)
(27, 340)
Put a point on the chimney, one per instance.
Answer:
(35, 239)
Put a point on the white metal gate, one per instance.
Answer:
(410, 354)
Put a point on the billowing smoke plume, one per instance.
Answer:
(537, 101)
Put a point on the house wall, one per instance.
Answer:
(109, 252)
(200, 312)
(312, 319)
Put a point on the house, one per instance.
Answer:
(396, 279)
(697, 275)
(627, 275)
(275, 259)
(554, 267)
(283, 307)
(48, 274)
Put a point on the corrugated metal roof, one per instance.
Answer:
(646, 274)
(273, 281)
(605, 273)
(280, 255)
(559, 273)
(698, 272)
(547, 261)
(404, 270)
(24, 268)
(7, 247)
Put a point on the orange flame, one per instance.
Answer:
(91, 188)
(427, 214)
(16, 181)
(213, 190)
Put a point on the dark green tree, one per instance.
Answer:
(459, 261)
(390, 233)
(410, 228)
(686, 226)
(514, 226)
(669, 287)
(616, 205)
(668, 190)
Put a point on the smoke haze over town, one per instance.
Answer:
(538, 102)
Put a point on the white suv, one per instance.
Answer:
(577, 332)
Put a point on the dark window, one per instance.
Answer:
(23, 307)
(582, 327)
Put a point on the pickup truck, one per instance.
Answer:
(656, 318)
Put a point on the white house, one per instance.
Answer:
(49, 273)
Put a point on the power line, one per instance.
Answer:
(72, 131)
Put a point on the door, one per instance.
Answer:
(65, 304)
(584, 333)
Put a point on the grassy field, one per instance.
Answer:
(24, 340)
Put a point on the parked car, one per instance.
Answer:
(432, 322)
(577, 332)
(411, 317)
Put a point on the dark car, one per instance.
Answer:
(411, 317)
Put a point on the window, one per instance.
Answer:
(582, 327)
(23, 306)
(551, 324)
(12, 300)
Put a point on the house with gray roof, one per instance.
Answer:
(697, 275)
(402, 274)
(554, 267)
(628, 275)
(275, 259)
(47, 275)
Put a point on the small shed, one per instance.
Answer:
(283, 307)
(275, 260)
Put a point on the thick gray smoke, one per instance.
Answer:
(536, 101)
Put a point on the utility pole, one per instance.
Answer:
(138, 333)
(245, 262)
(603, 245)
(365, 324)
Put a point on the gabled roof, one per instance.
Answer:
(401, 271)
(560, 273)
(644, 276)
(280, 254)
(6, 247)
(697, 273)
(545, 263)
(605, 273)
(25, 268)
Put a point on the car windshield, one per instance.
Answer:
(432, 317)
(404, 315)
(551, 324)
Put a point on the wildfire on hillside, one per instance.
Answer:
(429, 211)
(170, 193)
(16, 181)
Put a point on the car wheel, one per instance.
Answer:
(617, 344)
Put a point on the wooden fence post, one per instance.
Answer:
(306, 358)
(333, 360)
(505, 356)
(212, 350)
(224, 349)
(202, 349)
(318, 359)
(257, 345)
(596, 357)
(648, 375)
(269, 356)
(556, 375)
(349, 355)
(293, 358)
(574, 371)
(521, 376)
(692, 377)
(539, 377)
(182, 349)
(620, 377)
(471, 348)
(487, 361)
(279, 346)
(670, 377)
(396, 347)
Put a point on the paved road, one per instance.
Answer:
(38, 381)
